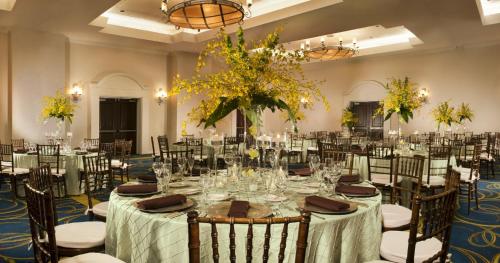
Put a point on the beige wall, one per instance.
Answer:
(4, 88)
(38, 68)
(112, 72)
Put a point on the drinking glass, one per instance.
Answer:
(281, 185)
(190, 163)
(271, 159)
(166, 171)
(181, 162)
(284, 165)
(313, 162)
(229, 160)
(206, 182)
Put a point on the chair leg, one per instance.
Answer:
(13, 185)
(59, 188)
(121, 175)
(128, 179)
(65, 186)
(469, 194)
(492, 166)
(475, 192)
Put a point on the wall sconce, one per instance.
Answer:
(423, 94)
(76, 92)
(161, 96)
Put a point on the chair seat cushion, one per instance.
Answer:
(101, 209)
(91, 258)
(296, 149)
(17, 171)
(394, 247)
(199, 158)
(61, 172)
(6, 164)
(465, 174)
(434, 180)
(117, 164)
(81, 234)
(395, 215)
(314, 149)
(487, 157)
(382, 179)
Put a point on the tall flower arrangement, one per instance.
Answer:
(464, 112)
(349, 119)
(59, 107)
(402, 98)
(255, 77)
(444, 114)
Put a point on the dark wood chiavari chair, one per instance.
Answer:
(196, 144)
(92, 144)
(296, 148)
(51, 155)
(156, 156)
(107, 148)
(122, 162)
(163, 147)
(344, 142)
(98, 181)
(380, 165)
(409, 170)
(339, 154)
(231, 145)
(49, 239)
(488, 154)
(18, 145)
(438, 160)
(8, 168)
(469, 176)
(431, 221)
(175, 155)
(194, 236)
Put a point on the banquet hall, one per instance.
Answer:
(194, 131)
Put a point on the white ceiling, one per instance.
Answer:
(442, 24)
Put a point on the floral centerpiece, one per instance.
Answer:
(464, 112)
(444, 114)
(349, 119)
(59, 107)
(402, 98)
(254, 77)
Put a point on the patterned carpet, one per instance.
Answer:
(475, 238)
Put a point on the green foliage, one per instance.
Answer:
(402, 98)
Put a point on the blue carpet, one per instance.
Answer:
(474, 238)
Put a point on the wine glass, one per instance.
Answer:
(281, 185)
(313, 162)
(181, 163)
(283, 165)
(166, 171)
(271, 159)
(158, 170)
(190, 163)
(206, 182)
(334, 175)
(229, 160)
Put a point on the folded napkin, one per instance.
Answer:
(352, 189)
(326, 203)
(162, 202)
(137, 188)
(349, 178)
(147, 178)
(238, 209)
(300, 171)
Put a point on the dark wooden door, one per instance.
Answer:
(118, 120)
(372, 126)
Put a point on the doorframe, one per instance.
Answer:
(140, 92)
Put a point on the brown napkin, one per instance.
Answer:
(162, 202)
(137, 189)
(300, 171)
(349, 178)
(147, 178)
(326, 203)
(358, 190)
(238, 209)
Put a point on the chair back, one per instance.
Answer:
(6, 157)
(196, 144)
(107, 148)
(153, 146)
(91, 143)
(194, 236)
(438, 161)
(231, 145)
(41, 217)
(338, 154)
(49, 155)
(433, 216)
(380, 160)
(163, 146)
(18, 144)
(296, 142)
(123, 151)
(344, 142)
(97, 176)
(411, 169)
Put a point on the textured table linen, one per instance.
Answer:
(137, 237)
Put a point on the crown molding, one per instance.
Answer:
(145, 49)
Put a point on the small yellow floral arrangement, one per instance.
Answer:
(444, 113)
(263, 75)
(464, 112)
(59, 107)
(402, 98)
(349, 119)
(253, 153)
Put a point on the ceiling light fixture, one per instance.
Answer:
(325, 52)
(204, 14)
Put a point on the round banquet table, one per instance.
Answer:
(71, 162)
(135, 236)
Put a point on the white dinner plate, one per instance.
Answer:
(305, 190)
(188, 191)
(217, 197)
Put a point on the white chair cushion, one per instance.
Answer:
(101, 209)
(383, 179)
(465, 174)
(394, 247)
(91, 258)
(485, 156)
(435, 180)
(312, 148)
(296, 149)
(61, 171)
(81, 234)
(17, 171)
(395, 215)
(203, 157)
(6, 164)
(118, 164)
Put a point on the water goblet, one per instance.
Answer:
(190, 164)
(181, 163)
(166, 172)
(283, 165)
